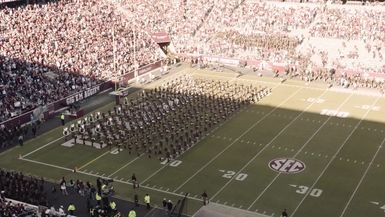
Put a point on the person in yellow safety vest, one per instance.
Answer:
(71, 209)
(147, 201)
(62, 118)
(113, 206)
(98, 199)
(132, 213)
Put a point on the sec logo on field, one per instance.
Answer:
(287, 165)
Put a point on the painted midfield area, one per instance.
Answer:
(338, 137)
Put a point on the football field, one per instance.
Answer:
(315, 151)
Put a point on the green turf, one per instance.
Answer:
(337, 152)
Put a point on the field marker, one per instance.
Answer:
(125, 165)
(104, 174)
(42, 147)
(85, 171)
(98, 176)
(375, 203)
(266, 146)
(362, 178)
(96, 173)
(95, 159)
(244, 133)
(90, 171)
(225, 203)
(46, 164)
(167, 189)
(299, 151)
(334, 156)
(233, 204)
(154, 186)
(294, 186)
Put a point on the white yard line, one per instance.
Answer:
(164, 166)
(299, 151)
(91, 161)
(252, 213)
(235, 140)
(152, 210)
(362, 178)
(42, 147)
(125, 165)
(99, 176)
(153, 174)
(334, 156)
(267, 145)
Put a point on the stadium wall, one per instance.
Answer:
(50, 109)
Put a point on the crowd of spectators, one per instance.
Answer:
(61, 47)
(227, 28)
(20, 187)
(52, 50)
(9, 209)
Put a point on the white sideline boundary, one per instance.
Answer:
(120, 181)
(267, 145)
(334, 156)
(299, 151)
(362, 178)
(235, 140)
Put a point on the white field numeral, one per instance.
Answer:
(334, 113)
(383, 208)
(174, 163)
(315, 100)
(369, 107)
(313, 192)
(230, 174)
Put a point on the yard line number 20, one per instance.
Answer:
(228, 174)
